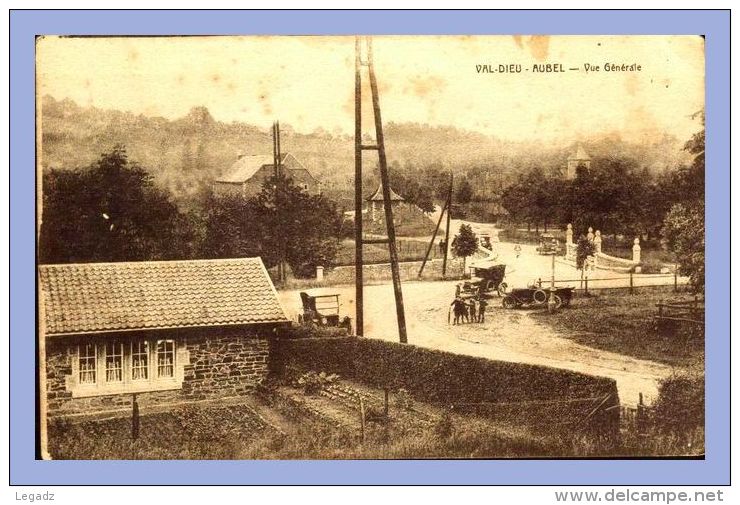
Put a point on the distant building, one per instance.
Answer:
(375, 202)
(248, 174)
(578, 159)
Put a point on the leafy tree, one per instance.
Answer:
(233, 229)
(464, 192)
(465, 243)
(110, 211)
(411, 185)
(282, 221)
(683, 226)
(584, 249)
(516, 199)
(683, 229)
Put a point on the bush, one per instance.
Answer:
(311, 331)
(443, 378)
(444, 426)
(651, 267)
(404, 400)
(312, 383)
(679, 407)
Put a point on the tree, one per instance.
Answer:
(584, 249)
(110, 211)
(683, 226)
(465, 243)
(283, 221)
(232, 230)
(464, 192)
(683, 229)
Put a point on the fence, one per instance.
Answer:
(630, 281)
(691, 311)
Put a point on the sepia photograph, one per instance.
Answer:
(370, 247)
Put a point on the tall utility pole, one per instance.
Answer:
(276, 161)
(447, 229)
(383, 165)
(445, 208)
(359, 295)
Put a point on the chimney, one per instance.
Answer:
(240, 155)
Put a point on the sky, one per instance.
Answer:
(308, 82)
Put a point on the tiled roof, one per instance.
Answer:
(246, 167)
(97, 297)
(378, 195)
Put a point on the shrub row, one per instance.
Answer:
(524, 393)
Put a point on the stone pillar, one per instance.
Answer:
(319, 273)
(597, 242)
(569, 234)
(636, 251)
(590, 234)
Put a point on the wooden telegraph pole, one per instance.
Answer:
(445, 208)
(359, 322)
(380, 148)
(447, 230)
(276, 161)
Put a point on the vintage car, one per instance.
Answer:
(535, 296)
(548, 245)
(322, 309)
(485, 280)
(484, 239)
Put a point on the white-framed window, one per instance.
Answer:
(165, 358)
(87, 363)
(127, 365)
(114, 361)
(139, 360)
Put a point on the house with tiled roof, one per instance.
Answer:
(248, 173)
(168, 331)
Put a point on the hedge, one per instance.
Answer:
(540, 397)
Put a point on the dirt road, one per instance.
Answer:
(508, 335)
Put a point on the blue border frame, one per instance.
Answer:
(25, 470)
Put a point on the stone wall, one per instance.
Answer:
(226, 365)
(220, 364)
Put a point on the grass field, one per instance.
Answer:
(408, 250)
(624, 324)
(293, 425)
(309, 428)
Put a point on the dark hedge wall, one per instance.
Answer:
(540, 397)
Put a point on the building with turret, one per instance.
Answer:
(578, 159)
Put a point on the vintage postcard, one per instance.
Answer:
(387, 247)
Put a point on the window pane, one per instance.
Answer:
(88, 363)
(165, 358)
(114, 362)
(140, 360)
